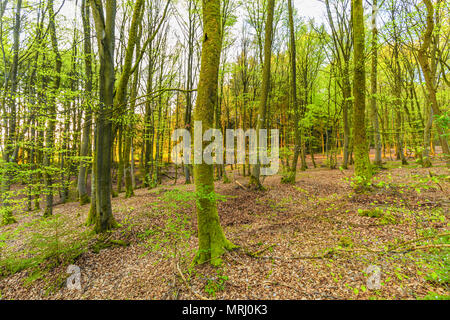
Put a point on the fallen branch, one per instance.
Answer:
(240, 185)
(166, 175)
(293, 258)
(431, 246)
(424, 238)
(431, 176)
(257, 254)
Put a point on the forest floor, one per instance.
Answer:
(312, 240)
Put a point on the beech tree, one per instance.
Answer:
(212, 240)
(428, 74)
(261, 119)
(362, 162)
(104, 17)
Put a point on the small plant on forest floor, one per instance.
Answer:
(359, 184)
(372, 213)
(172, 239)
(386, 217)
(434, 264)
(54, 242)
(216, 284)
(127, 222)
(435, 296)
(438, 262)
(6, 216)
(345, 242)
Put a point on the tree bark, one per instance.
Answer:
(212, 241)
(10, 126)
(261, 120)
(105, 25)
(86, 135)
(290, 178)
(362, 162)
(51, 124)
(374, 85)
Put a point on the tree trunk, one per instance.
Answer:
(290, 178)
(430, 78)
(362, 162)
(212, 241)
(105, 25)
(51, 125)
(374, 85)
(10, 127)
(86, 135)
(261, 120)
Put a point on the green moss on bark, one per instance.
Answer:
(361, 151)
(212, 240)
(84, 199)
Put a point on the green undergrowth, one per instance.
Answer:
(435, 265)
(170, 239)
(103, 243)
(51, 242)
(216, 283)
(385, 217)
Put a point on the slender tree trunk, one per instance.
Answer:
(51, 124)
(86, 135)
(10, 127)
(290, 178)
(429, 77)
(149, 127)
(120, 168)
(129, 166)
(362, 162)
(426, 162)
(374, 85)
(261, 120)
(346, 105)
(105, 25)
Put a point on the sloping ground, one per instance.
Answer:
(304, 241)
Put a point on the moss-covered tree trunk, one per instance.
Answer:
(93, 207)
(212, 241)
(346, 105)
(120, 99)
(362, 162)
(193, 20)
(374, 85)
(291, 174)
(424, 61)
(398, 105)
(120, 164)
(86, 135)
(149, 126)
(104, 25)
(129, 133)
(261, 119)
(10, 127)
(51, 124)
(426, 162)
